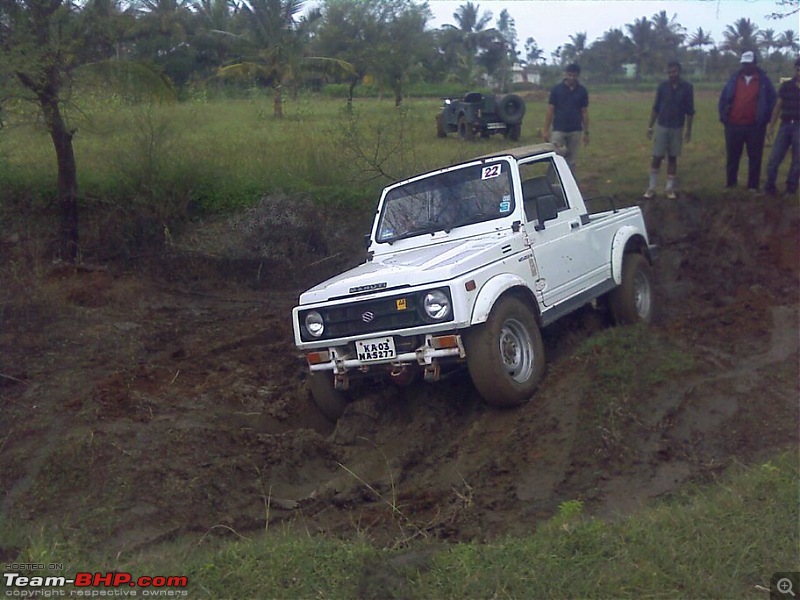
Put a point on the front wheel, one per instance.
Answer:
(632, 301)
(505, 355)
(329, 400)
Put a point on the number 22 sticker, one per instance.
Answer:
(490, 171)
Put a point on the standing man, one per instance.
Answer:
(788, 109)
(673, 109)
(745, 108)
(568, 114)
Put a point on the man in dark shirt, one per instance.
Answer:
(745, 107)
(672, 110)
(788, 109)
(568, 114)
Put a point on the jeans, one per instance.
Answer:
(736, 138)
(788, 136)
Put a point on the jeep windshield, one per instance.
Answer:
(442, 202)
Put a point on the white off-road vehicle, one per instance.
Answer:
(466, 264)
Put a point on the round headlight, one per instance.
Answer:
(314, 324)
(436, 305)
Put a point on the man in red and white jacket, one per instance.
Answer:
(745, 108)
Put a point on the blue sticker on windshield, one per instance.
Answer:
(505, 204)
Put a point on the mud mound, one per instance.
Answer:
(183, 401)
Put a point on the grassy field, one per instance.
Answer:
(214, 156)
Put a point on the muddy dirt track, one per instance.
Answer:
(143, 404)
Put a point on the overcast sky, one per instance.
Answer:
(551, 22)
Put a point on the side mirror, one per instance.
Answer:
(546, 210)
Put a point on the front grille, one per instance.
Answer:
(371, 316)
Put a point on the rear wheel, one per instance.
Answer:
(505, 355)
(329, 400)
(632, 301)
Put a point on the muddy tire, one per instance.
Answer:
(440, 130)
(632, 301)
(505, 355)
(511, 108)
(330, 401)
(465, 129)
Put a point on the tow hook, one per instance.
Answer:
(433, 372)
(402, 375)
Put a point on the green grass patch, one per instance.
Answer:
(717, 541)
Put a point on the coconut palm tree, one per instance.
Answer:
(642, 39)
(697, 41)
(668, 36)
(273, 46)
(573, 50)
(788, 40)
(767, 40)
(740, 37)
(468, 37)
(533, 54)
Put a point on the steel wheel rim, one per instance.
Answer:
(516, 350)
(641, 294)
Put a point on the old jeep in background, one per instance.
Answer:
(466, 265)
(476, 114)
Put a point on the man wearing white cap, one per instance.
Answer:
(745, 108)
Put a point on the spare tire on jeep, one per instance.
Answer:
(511, 108)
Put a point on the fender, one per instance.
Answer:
(618, 244)
(491, 291)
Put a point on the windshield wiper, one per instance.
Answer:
(468, 220)
(422, 230)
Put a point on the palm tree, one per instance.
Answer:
(105, 25)
(507, 37)
(767, 41)
(607, 55)
(668, 36)
(555, 56)
(698, 40)
(788, 40)
(468, 36)
(740, 37)
(471, 23)
(212, 16)
(641, 36)
(274, 45)
(533, 54)
(574, 49)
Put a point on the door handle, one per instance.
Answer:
(574, 224)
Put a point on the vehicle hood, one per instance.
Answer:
(412, 267)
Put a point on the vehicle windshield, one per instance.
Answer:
(443, 202)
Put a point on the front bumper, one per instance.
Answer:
(341, 359)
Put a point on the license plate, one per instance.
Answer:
(375, 349)
(495, 126)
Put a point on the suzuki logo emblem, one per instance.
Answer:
(368, 316)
